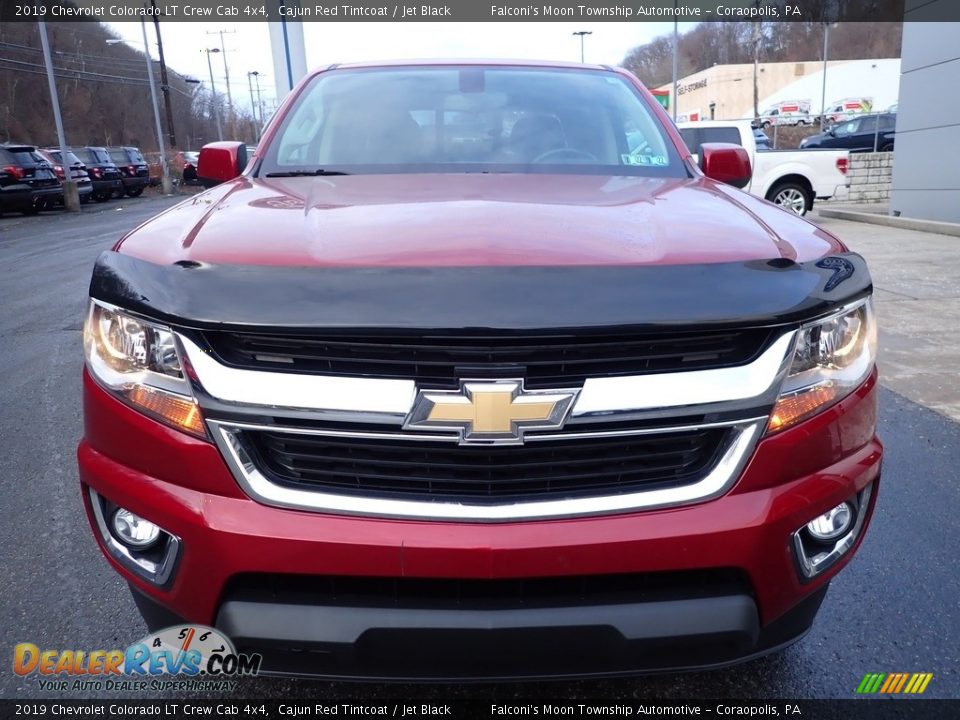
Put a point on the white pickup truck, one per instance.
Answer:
(792, 179)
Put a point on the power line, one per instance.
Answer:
(93, 75)
(83, 56)
(66, 76)
(87, 75)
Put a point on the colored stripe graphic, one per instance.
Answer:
(894, 683)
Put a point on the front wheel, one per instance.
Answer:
(791, 196)
(135, 192)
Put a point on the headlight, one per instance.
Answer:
(831, 358)
(140, 363)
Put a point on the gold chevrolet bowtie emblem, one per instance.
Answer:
(490, 411)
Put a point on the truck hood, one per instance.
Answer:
(474, 219)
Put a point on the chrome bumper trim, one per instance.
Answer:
(721, 477)
(158, 573)
(811, 567)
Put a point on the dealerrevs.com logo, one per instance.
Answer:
(192, 657)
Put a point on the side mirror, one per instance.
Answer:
(221, 161)
(832, 132)
(726, 162)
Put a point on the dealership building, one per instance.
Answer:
(725, 92)
(926, 176)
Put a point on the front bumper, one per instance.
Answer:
(238, 559)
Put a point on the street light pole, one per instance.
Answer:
(674, 99)
(71, 195)
(253, 107)
(213, 91)
(582, 34)
(823, 92)
(256, 79)
(226, 70)
(165, 183)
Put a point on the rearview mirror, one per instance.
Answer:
(221, 161)
(726, 163)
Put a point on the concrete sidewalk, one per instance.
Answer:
(916, 276)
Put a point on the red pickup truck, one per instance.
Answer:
(451, 379)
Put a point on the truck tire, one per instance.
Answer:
(791, 196)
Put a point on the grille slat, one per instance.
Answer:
(435, 470)
(441, 359)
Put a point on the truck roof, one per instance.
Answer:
(444, 62)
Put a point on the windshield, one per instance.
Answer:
(472, 119)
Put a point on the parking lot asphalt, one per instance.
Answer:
(896, 608)
(916, 278)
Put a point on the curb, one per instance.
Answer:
(928, 226)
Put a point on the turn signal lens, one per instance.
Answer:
(176, 410)
(792, 409)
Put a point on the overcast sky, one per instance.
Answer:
(248, 48)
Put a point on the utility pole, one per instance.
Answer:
(164, 83)
(165, 183)
(582, 34)
(71, 195)
(213, 92)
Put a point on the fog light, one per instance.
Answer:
(823, 541)
(133, 531)
(832, 524)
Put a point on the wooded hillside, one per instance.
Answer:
(104, 92)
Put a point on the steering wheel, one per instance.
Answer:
(569, 152)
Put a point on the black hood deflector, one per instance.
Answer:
(204, 296)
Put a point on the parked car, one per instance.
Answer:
(383, 405)
(26, 164)
(867, 133)
(187, 160)
(78, 171)
(133, 167)
(15, 194)
(104, 174)
(792, 179)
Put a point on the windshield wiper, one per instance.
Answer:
(306, 173)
